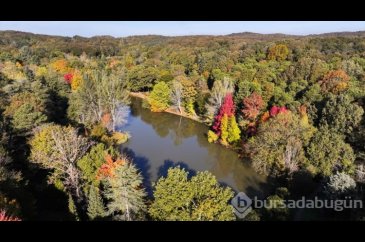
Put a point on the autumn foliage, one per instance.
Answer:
(265, 116)
(107, 169)
(19, 99)
(335, 82)
(114, 63)
(60, 65)
(278, 52)
(252, 106)
(68, 78)
(275, 110)
(227, 108)
(225, 125)
(76, 80)
(73, 78)
(106, 119)
(4, 217)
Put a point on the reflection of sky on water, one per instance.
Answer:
(123, 117)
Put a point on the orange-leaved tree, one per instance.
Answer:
(107, 169)
(252, 106)
(335, 82)
(60, 66)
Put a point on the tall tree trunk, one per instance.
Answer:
(127, 213)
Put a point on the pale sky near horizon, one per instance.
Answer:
(178, 28)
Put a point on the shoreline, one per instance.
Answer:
(142, 95)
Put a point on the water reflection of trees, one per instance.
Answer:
(223, 163)
(144, 167)
(167, 164)
(165, 124)
(136, 106)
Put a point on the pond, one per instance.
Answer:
(162, 140)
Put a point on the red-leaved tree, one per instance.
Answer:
(68, 78)
(252, 106)
(275, 110)
(5, 217)
(226, 108)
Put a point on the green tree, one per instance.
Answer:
(159, 98)
(278, 52)
(58, 148)
(26, 118)
(352, 68)
(276, 209)
(6, 173)
(328, 153)
(244, 89)
(278, 145)
(199, 199)
(312, 94)
(95, 207)
(341, 114)
(4, 80)
(100, 93)
(200, 104)
(189, 94)
(212, 137)
(72, 208)
(308, 69)
(141, 78)
(233, 130)
(27, 109)
(125, 193)
(91, 162)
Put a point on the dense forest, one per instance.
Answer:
(292, 106)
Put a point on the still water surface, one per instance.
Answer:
(162, 140)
